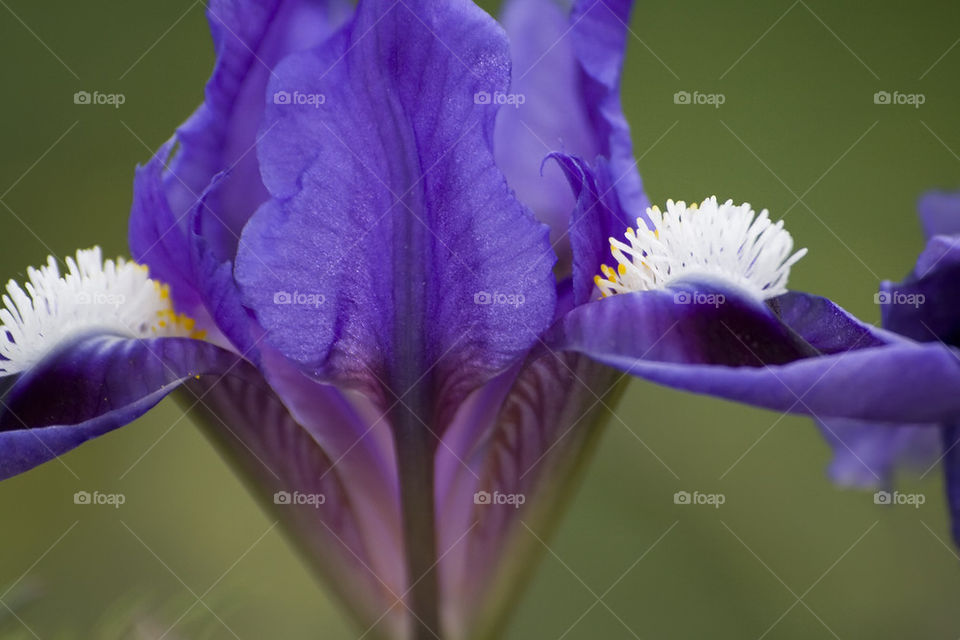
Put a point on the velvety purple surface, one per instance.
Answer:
(951, 473)
(924, 307)
(741, 351)
(869, 454)
(250, 39)
(91, 386)
(354, 213)
(190, 204)
(597, 217)
(389, 216)
(939, 213)
(566, 70)
(353, 536)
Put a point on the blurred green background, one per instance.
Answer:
(787, 556)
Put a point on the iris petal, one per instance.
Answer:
(740, 350)
(926, 305)
(393, 253)
(951, 466)
(528, 436)
(189, 209)
(868, 454)
(156, 236)
(598, 216)
(93, 385)
(321, 496)
(939, 213)
(250, 37)
(566, 67)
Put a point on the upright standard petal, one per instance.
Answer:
(157, 236)
(597, 217)
(188, 209)
(565, 97)
(250, 38)
(392, 254)
(600, 40)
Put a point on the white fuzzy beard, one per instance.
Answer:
(112, 297)
(724, 242)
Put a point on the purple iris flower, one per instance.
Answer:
(400, 323)
(923, 307)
